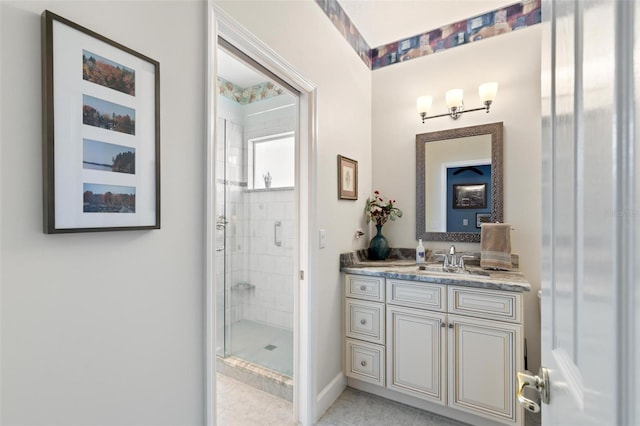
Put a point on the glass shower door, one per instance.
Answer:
(228, 252)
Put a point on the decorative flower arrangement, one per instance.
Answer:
(380, 211)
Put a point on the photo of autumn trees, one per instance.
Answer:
(104, 72)
(108, 198)
(108, 157)
(107, 115)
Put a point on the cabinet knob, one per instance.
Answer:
(363, 287)
(363, 363)
(450, 325)
(363, 321)
(443, 325)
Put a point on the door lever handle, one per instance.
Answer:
(540, 384)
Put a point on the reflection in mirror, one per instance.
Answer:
(458, 182)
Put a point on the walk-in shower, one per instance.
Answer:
(255, 226)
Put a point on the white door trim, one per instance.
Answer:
(304, 399)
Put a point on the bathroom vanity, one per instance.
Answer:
(449, 343)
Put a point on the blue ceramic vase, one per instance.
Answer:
(379, 246)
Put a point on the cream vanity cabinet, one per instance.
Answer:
(365, 328)
(456, 347)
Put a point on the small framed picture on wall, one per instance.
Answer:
(470, 196)
(482, 218)
(347, 178)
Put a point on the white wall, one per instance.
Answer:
(104, 328)
(301, 34)
(514, 61)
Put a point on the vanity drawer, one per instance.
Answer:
(364, 287)
(417, 294)
(482, 303)
(365, 320)
(365, 361)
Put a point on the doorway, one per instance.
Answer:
(256, 215)
(232, 303)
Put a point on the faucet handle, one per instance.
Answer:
(445, 262)
(462, 258)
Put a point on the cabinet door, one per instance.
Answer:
(484, 356)
(416, 360)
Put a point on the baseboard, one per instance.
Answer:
(329, 394)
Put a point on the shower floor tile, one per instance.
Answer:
(253, 342)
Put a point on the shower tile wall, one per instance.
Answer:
(270, 267)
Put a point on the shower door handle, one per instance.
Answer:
(276, 234)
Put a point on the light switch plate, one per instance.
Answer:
(322, 238)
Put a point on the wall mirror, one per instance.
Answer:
(458, 182)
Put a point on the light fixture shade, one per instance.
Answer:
(454, 98)
(488, 91)
(423, 104)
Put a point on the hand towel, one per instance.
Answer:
(495, 246)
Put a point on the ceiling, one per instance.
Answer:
(238, 73)
(380, 22)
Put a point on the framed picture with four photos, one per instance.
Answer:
(101, 132)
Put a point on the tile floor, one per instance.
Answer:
(242, 405)
(270, 347)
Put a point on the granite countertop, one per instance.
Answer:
(405, 269)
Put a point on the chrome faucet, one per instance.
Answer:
(221, 222)
(453, 261)
(452, 256)
(450, 260)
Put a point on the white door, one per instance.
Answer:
(588, 211)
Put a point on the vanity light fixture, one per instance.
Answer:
(455, 102)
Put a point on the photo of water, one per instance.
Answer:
(108, 157)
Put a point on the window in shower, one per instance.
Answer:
(272, 162)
